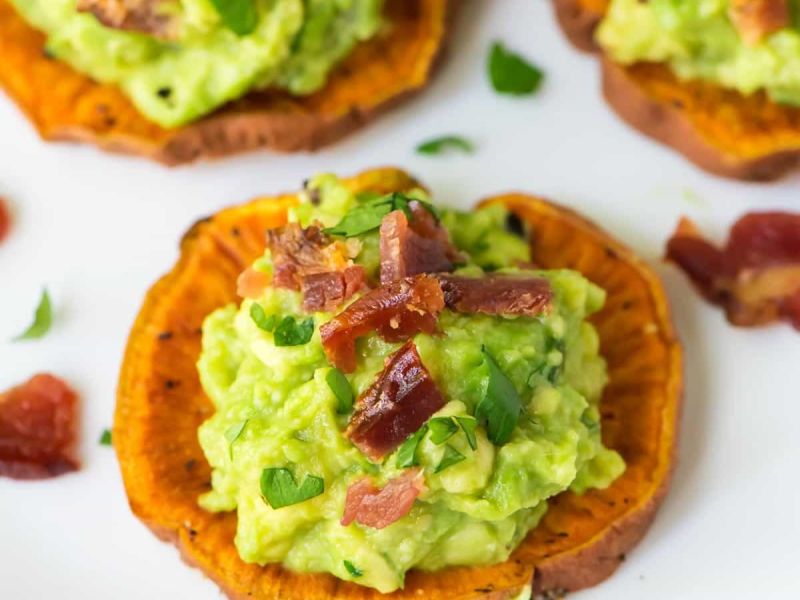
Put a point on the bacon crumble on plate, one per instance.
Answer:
(378, 508)
(396, 310)
(38, 421)
(755, 277)
(396, 405)
(5, 219)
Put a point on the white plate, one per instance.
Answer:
(98, 229)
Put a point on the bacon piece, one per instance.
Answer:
(378, 508)
(5, 219)
(756, 19)
(312, 262)
(396, 405)
(411, 248)
(396, 310)
(251, 283)
(38, 422)
(146, 16)
(497, 294)
(755, 277)
(326, 291)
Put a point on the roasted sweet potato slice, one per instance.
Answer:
(65, 105)
(720, 130)
(581, 540)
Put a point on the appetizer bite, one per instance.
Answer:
(755, 276)
(179, 80)
(719, 81)
(350, 393)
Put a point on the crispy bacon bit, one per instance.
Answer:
(378, 508)
(755, 277)
(756, 19)
(251, 283)
(5, 219)
(396, 405)
(312, 262)
(37, 429)
(497, 294)
(327, 291)
(396, 310)
(146, 16)
(411, 248)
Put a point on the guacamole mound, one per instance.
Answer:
(276, 409)
(292, 46)
(698, 40)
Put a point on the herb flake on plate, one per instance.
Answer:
(42, 319)
(512, 74)
(442, 144)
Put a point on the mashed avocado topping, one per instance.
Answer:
(211, 57)
(699, 39)
(278, 445)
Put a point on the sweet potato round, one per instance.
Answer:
(721, 131)
(66, 105)
(582, 539)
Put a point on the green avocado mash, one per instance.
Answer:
(277, 409)
(293, 45)
(698, 40)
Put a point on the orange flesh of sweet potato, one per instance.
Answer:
(66, 105)
(160, 404)
(720, 130)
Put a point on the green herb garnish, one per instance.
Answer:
(450, 457)
(500, 406)
(232, 434)
(240, 16)
(512, 74)
(290, 332)
(352, 569)
(341, 389)
(105, 438)
(468, 426)
(368, 215)
(444, 143)
(260, 318)
(42, 319)
(442, 429)
(279, 488)
(407, 454)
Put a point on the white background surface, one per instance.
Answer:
(99, 229)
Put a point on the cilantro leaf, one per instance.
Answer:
(105, 438)
(407, 454)
(442, 429)
(360, 220)
(289, 332)
(368, 215)
(500, 406)
(512, 74)
(280, 489)
(450, 457)
(468, 426)
(260, 318)
(352, 569)
(444, 143)
(232, 434)
(42, 320)
(341, 389)
(240, 16)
